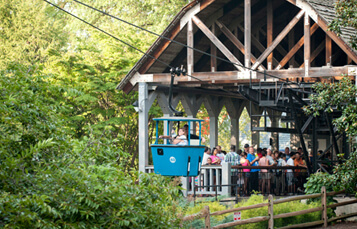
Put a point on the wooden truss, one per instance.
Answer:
(247, 42)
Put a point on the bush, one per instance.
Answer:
(91, 197)
(213, 207)
(316, 181)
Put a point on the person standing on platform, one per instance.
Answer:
(215, 158)
(265, 174)
(246, 148)
(272, 162)
(290, 173)
(206, 155)
(193, 136)
(246, 172)
(220, 154)
(254, 173)
(233, 158)
(287, 153)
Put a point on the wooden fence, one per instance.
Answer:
(205, 213)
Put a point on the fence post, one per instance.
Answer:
(324, 205)
(270, 212)
(226, 179)
(207, 218)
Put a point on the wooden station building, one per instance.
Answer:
(260, 54)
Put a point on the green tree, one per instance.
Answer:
(339, 96)
(68, 138)
(346, 16)
(30, 32)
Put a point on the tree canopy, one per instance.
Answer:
(342, 97)
(68, 139)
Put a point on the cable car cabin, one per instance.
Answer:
(182, 159)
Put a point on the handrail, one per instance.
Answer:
(285, 215)
(288, 199)
(341, 204)
(245, 221)
(240, 209)
(267, 167)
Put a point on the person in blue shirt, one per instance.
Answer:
(254, 173)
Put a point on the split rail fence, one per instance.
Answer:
(205, 212)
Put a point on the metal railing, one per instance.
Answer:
(232, 181)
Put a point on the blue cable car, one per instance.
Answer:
(177, 160)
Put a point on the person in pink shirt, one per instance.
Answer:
(215, 158)
(264, 172)
(246, 172)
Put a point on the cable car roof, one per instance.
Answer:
(187, 119)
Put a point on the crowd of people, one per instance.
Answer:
(284, 181)
(263, 180)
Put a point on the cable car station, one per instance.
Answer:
(259, 55)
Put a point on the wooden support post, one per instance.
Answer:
(270, 32)
(324, 205)
(213, 130)
(226, 179)
(207, 218)
(328, 50)
(255, 134)
(271, 212)
(190, 44)
(143, 126)
(275, 135)
(213, 107)
(235, 132)
(247, 32)
(291, 45)
(307, 44)
(213, 51)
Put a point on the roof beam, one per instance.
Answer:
(257, 44)
(296, 47)
(232, 76)
(324, 26)
(278, 39)
(217, 42)
(235, 41)
(162, 44)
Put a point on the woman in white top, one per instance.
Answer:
(180, 139)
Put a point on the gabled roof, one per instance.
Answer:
(326, 10)
(321, 11)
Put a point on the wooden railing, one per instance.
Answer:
(205, 213)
